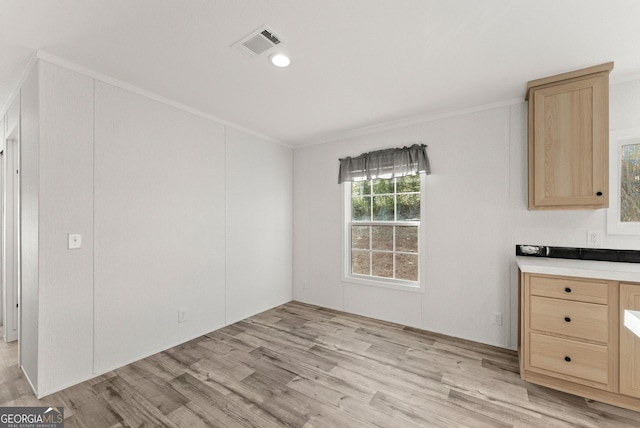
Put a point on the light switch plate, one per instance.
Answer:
(75, 241)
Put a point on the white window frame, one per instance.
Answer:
(616, 140)
(398, 284)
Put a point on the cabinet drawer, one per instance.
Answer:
(580, 290)
(569, 357)
(581, 320)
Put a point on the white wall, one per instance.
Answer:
(466, 197)
(477, 212)
(259, 231)
(29, 204)
(159, 226)
(65, 182)
(160, 198)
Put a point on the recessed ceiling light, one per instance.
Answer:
(279, 60)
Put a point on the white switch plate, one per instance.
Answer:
(75, 241)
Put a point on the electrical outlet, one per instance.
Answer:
(182, 315)
(594, 238)
(497, 318)
(305, 285)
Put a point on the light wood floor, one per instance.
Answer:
(304, 366)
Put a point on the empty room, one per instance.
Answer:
(320, 213)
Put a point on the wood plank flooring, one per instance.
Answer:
(299, 365)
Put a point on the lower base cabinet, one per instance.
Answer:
(573, 338)
(629, 343)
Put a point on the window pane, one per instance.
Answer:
(383, 264)
(407, 267)
(409, 183)
(374, 247)
(361, 208)
(360, 237)
(409, 207)
(383, 208)
(382, 186)
(382, 238)
(360, 188)
(360, 263)
(630, 183)
(407, 239)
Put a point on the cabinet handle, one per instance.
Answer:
(567, 359)
(599, 194)
(567, 319)
(567, 290)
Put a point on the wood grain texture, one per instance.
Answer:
(568, 141)
(576, 74)
(569, 359)
(593, 368)
(578, 289)
(629, 342)
(586, 321)
(299, 365)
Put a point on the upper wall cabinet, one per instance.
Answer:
(569, 140)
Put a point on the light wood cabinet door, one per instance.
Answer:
(629, 343)
(568, 143)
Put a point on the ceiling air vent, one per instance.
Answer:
(258, 42)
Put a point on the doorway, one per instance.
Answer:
(10, 235)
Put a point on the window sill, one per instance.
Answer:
(411, 287)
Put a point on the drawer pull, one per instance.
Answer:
(567, 319)
(567, 359)
(567, 290)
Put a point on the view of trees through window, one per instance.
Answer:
(630, 183)
(385, 216)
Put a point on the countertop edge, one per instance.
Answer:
(614, 271)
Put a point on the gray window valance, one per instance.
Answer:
(387, 163)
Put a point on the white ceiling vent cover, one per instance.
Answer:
(258, 42)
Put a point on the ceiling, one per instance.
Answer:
(356, 64)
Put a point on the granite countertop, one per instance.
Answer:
(614, 271)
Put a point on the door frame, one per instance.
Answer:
(11, 235)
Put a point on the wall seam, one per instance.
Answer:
(226, 226)
(93, 227)
(507, 302)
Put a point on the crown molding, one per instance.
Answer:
(52, 59)
(23, 77)
(614, 78)
(409, 121)
(358, 132)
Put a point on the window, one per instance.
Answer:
(383, 231)
(623, 215)
(630, 183)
